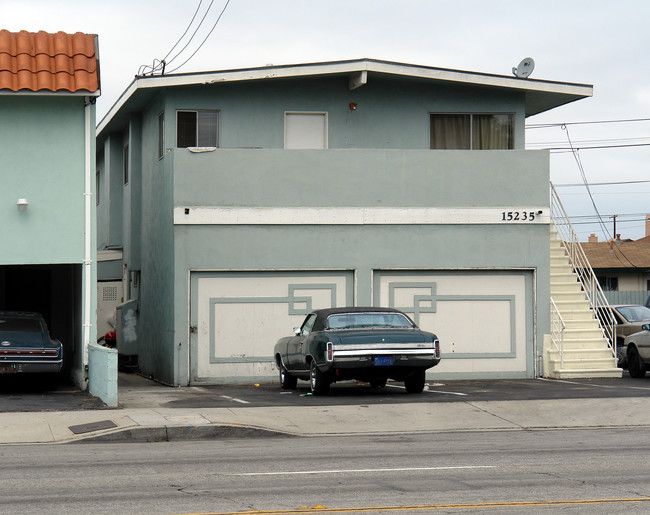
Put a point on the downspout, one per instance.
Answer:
(87, 263)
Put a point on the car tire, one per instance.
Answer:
(287, 381)
(635, 366)
(415, 382)
(317, 380)
(378, 383)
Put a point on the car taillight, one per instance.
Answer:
(329, 355)
(436, 346)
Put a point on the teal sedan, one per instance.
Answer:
(362, 343)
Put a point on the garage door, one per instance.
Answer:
(484, 320)
(237, 317)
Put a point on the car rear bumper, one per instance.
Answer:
(360, 367)
(31, 367)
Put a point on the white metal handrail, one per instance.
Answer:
(582, 267)
(557, 330)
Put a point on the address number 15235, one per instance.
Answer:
(516, 216)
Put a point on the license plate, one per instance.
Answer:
(7, 369)
(383, 361)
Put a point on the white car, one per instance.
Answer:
(638, 351)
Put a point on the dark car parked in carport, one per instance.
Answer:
(367, 344)
(26, 346)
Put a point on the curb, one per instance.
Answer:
(180, 433)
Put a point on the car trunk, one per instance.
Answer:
(361, 337)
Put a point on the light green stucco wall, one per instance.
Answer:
(42, 160)
(390, 113)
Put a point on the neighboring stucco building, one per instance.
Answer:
(48, 87)
(242, 199)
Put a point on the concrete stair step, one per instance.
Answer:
(563, 277)
(572, 305)
(580, 354)
(567, 373)
(565, 287)
(584, 343)
(570, 296)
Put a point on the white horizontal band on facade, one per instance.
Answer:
(358, 216)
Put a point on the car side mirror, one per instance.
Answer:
(296, 331)
(645, 327)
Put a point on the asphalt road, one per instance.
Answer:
(27, 394)
(593, 471)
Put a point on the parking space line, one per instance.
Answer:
(594, 385)
(426, 389)
(234, 399)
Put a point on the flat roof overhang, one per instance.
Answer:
(540, 95)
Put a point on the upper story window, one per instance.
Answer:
(305, 130)
(472, 131)
(98, 183)
(197, 129)
(126, 163)
(161, 135)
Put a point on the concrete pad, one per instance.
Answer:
(160, 419)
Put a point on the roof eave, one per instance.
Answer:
(541, 95)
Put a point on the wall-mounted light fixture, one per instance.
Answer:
(22, 204)
(353, 106)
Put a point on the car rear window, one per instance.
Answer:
(20, 325)
(366, 320)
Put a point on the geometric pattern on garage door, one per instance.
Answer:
(481, 318)
(240, 315)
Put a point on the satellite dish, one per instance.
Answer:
(525, 68)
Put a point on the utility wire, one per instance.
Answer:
(206, 37)
(186, 30)
(159, 64)
(600, 183)
(191, 37)
(593, 202)
(561, 124)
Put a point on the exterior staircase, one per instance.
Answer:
(582, 349)
(579, 343)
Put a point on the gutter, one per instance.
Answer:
(87, 262)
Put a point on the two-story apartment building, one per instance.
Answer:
(48, 86)
(243, 199)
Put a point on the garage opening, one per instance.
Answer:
(55, 292)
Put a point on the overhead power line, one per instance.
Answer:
(612, 183)
(594, 122)
(159, 66)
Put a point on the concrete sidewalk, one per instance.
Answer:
(144, 417)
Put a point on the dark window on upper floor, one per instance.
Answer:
(126, 164)
(161, 135)
(98, 182)
(471, 131)
(197, 129)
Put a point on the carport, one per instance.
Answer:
(55, 292)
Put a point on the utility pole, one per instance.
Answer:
(614, 217)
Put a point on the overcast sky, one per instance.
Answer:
(603, 43)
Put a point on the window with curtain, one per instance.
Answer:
(471, 131)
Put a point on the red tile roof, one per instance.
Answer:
(40, 61)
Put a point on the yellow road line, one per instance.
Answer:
(376, 509)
